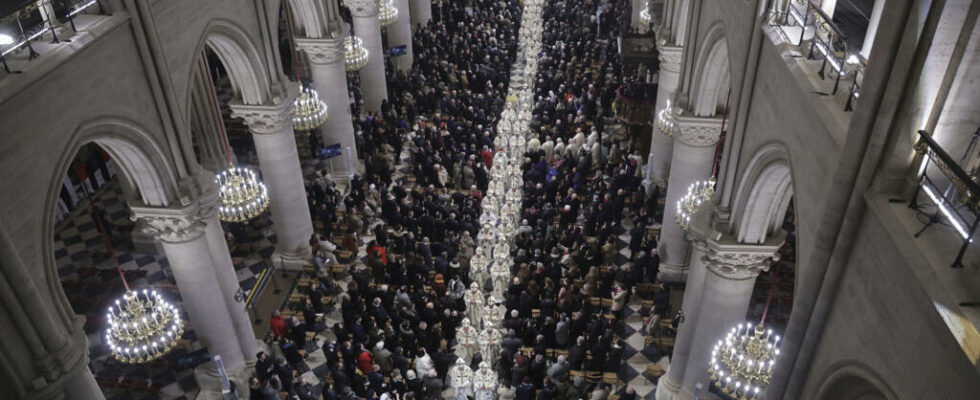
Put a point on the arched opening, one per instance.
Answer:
(713, 77)
(90, 223)
(852, 387)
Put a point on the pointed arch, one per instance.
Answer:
(142, 161)
(763, 195)
(712, 74)
(240, 57)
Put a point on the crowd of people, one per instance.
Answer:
(409, 299)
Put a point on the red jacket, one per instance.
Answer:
(278, 326)
(365, 361)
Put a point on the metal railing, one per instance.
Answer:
(828, 44)
(959, 204)
(29, 21)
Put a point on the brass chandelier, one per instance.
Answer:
(241, 194)
(665, 120)
(308, 112)
(697, 193)
(645, 16)
(387, 14)
(741, 363)
(355, 55)
(142, 327)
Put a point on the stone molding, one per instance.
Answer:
(363, 8)
(697, 132)
(322, 51)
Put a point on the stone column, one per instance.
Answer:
(224, 270)
(725, 296)
(421, 11)
(670, 385)
(400, 34)
(368, 28)
(82, 385)
(662, 145)
(693, 156)
(182, 232)
(42, 354)
(275, 144)
(869, 37)
(326, 58)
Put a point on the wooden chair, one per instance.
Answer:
(535, 313)
(610, 378)
(595, 301)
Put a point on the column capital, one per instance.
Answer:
(170, 225)
(363, 8)
(267, 119)
(738, 262)
(670, 56)
(322, 51)
(697, 132)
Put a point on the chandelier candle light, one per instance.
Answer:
(741, 363)
(387, 14)
(142, 325)
(355, 55)
(308, 111)
(241, 195)
(665, 120)
(645, 14)
(698, 193)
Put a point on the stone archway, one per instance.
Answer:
(142, 161)
(763, 195)
(853, 381)
(712, 75)
(240, 57)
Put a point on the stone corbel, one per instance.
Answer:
(737, 261)
(670, 57)
(267, 119)
(363, 8)
(695, 131)
(322, 51)
(170, 225)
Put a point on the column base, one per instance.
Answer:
(667, 389)
(291, 262)
(673, 273)
(210, 382)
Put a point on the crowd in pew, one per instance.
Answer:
(406, 301)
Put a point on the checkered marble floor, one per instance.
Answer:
(91, 283)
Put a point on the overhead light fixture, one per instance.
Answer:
(665, 120)
(6, 40)
(355, 55)
(308, 112)
(242, 195)
(697, 193)
(741, 363)
(387, 14)
(142, 327)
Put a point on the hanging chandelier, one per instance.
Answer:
(355, 55)
(142, 327)
(698, 193)
(309, 112)
(645, 16)
(242, 195)
(665, 120)
(387, 14)
(741, 364)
